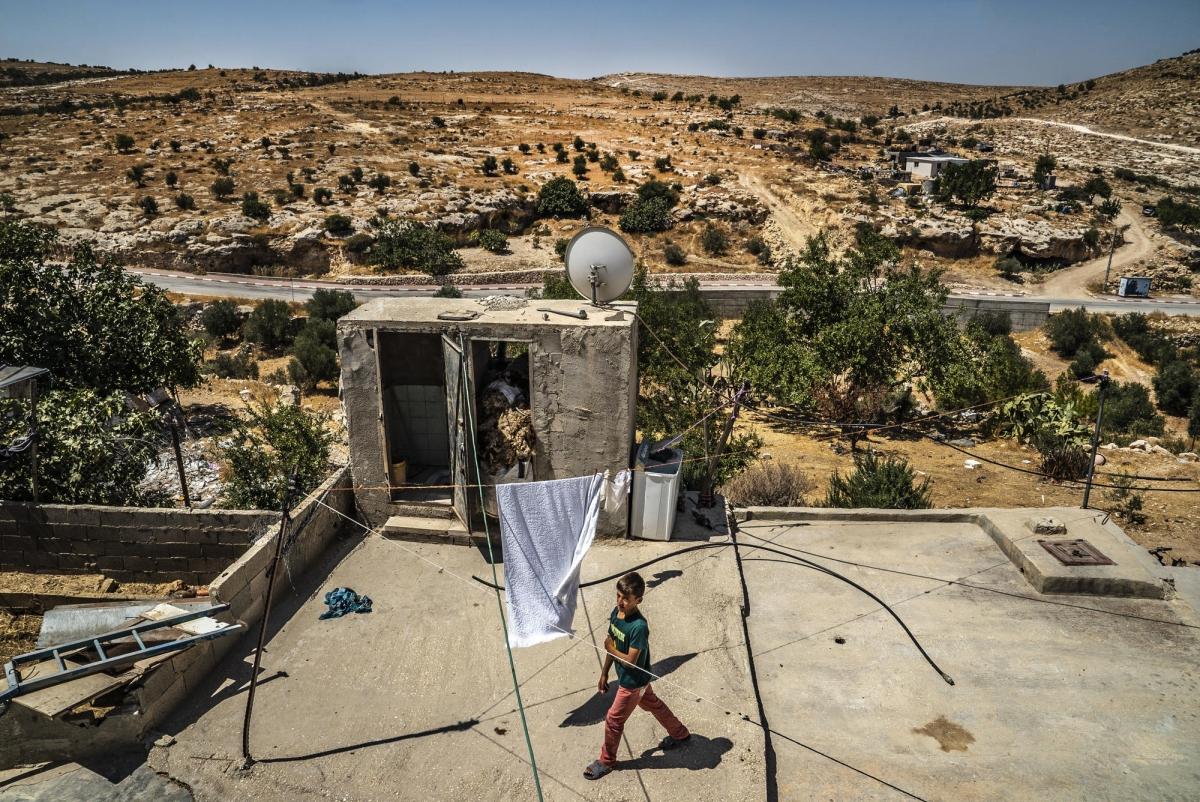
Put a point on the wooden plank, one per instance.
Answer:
(58, 699)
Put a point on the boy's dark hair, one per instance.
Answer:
(632, 584)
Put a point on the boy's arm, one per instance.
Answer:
(608, 661)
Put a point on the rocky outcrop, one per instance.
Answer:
(611, 201)
(1036, 239)
(952, 239)
(729, 207)
(502, 209)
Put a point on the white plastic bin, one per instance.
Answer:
(655, 489)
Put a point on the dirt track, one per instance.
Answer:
(1073, 281)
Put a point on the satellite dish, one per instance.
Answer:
(599, 264)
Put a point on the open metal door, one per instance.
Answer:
(457, 388)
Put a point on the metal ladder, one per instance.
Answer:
(17, 686)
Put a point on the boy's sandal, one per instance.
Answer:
(670, 743)
(596, 770)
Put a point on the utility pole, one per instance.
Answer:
(1102, 380)
(272, 572)
(1112, 248)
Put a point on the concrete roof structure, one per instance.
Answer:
(1086, 692)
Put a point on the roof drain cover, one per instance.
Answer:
(1075, 552)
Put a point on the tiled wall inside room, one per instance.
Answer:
(420, 432)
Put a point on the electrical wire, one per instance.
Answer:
(798, 560)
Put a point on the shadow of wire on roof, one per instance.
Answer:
(459, 726)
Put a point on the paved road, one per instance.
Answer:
(258, 288)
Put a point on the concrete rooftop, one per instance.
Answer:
(384, 311)
(1058, 696)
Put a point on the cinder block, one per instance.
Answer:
(76, 562)
(157, 708)
(14, 542)
(110, 563)
(39, 559)
(92, 547)
(139, 563)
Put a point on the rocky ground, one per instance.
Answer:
(283, 135)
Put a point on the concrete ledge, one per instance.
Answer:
(1129, 577)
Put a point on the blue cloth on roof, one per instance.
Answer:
(343, 600)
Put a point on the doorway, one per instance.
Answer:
(414, 421)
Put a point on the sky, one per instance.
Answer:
(1006, 42)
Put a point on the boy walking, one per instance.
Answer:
(628, 645)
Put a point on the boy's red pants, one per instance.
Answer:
(622, 708)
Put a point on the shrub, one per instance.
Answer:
(1009, 267)
(414, 245)
(1175, 387)
(1083, 365)
(560, 246)
(1073, 329)
(222, 165)
(137, 174)
(379, 182)
(1128, 411)
(633, 155)
(448, 290)
(674, 254)
(1063, 458)
(437, 122)
(1127, 502)
(561, 157)
(608, 163)
(414, 169)
(560, 197)
(658, 189)
(269, 324)
(124, 143)
(267, 447)
(769, 484)
(330, 304)
(254, 208)
(663, 164)
(176, 145)
(759, 133)
(579, 166)
(346, 183)
(887, 483)
(644, 217)
(314, 358)
(149, 206)
(508, 166)
(185, 201)
(714, 240)
(524, 148)
(220, 319)
(222, 188)
(358, 244)
(578, 143)
(238, 365)
(492, 240)
(322, 196)
(489, 165)
(339, 225)
(755, 245)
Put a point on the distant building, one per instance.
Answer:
(928, 166)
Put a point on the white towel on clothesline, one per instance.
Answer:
(546, 528)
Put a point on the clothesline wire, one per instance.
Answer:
(698, 696)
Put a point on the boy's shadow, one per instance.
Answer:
(697, 753)
(594, 709)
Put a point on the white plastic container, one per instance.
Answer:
(654, 492)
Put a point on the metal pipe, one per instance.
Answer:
(1087, 489)
(262, 623)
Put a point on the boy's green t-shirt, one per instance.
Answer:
(631, 632)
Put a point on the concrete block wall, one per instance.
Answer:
(243, 585)
(27, 737)
(129, 544)
(1025, 316)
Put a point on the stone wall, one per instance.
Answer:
(129, 544)
(29, 737)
